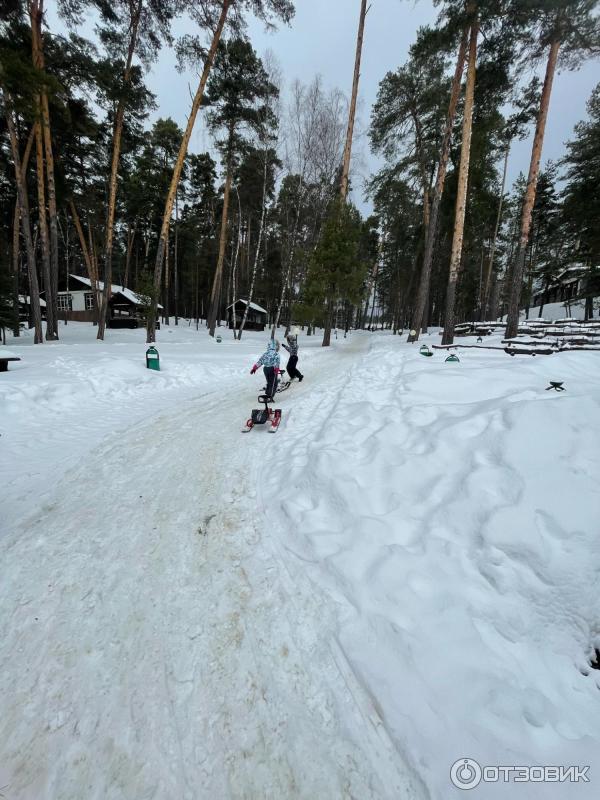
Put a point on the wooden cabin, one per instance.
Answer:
(126, 309)
(255, 321)
(25, 307)
(76, 301)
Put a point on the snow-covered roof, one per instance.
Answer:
(572, 272)
(130, 295)
(26, 299)
(253, 306)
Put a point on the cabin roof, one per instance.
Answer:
(253, 306)
(26, 299)
(128, 294)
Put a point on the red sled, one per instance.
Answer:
(262, 416)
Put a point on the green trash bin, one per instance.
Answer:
(152, 358)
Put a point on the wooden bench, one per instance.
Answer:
(5, 357)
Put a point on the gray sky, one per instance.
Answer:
(322, 40)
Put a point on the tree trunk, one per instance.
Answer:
(36, 13)
(82, 242)
(370, 287)
(166, 317)
(216, 287)
(258, 246)
(426, 189)
(438, 190)
(67, 263)
(94, 273)
(175, 262)
(43, 228)
(425, 320)
(461, 197)
(373, 306)
(114, 169)
(495, 296)
(52, 214)
(235, 264)
(288, 271)
(16, 251)
(352, 112)
(327, 331)
(130, 241)
(488, 274)
(196, 305)
(512, 321)
(160, 253)
(34, 293)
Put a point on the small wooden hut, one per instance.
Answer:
(256, 319)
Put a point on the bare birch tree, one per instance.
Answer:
(314, 141)
(267, 135)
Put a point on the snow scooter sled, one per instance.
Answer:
(282, 385)
(260, 416)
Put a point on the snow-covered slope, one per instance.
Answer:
(553, 311)
(406, 574)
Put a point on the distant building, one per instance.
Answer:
(255, 320)
(126, 309)
(569, 284)
(25, 307)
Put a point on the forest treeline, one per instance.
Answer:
(88, 186)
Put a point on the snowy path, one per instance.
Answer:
(406, 574)
(155, 644)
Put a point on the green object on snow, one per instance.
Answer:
(219, 339)
(152, 358)
(453, 357)
(425, 351)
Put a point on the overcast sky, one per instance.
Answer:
(322, 40)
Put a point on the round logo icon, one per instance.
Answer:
(465, 773)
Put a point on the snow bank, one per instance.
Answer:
(450, 514)
(554, 311)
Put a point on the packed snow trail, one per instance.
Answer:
(407, 575)
(154, 644)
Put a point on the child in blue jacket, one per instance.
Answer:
(269, 361)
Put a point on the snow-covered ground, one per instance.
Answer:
(554, 311)
(406, 574)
